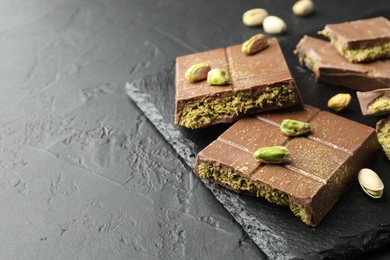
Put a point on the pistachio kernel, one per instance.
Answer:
(292, 127)
(303, 7)
(272, 154)
(370, 182)
(197, 72)
(255, 44)
(217, 77)
(274, 25)
(254, 17)
(339, 101)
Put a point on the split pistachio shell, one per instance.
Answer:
(217, 77)
(272, 154)
(254, 17)
(274, 25)
(370, 182)
(197, 72)
(339, 101)
(303, 7)
(292, 127)
(255, 44)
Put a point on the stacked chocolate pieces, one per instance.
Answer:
(354, 58)
(322, 163)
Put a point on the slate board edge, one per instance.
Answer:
(373, 239)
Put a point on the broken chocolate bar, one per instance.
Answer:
(361, 40)
(330, 67)
(383, 134)
(376, 102)
(321, 166)
(258, 82)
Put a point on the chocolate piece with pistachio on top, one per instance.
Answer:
(255, 83)
(361, 40)
(306, 173)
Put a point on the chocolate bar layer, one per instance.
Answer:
(361, 40)
(330, 67)
(376, 102)
(322, 164)
(258, 82)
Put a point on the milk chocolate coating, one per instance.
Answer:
(247, 73)
(368, 97)
(330, 67)
(322, 164)
(360, 34)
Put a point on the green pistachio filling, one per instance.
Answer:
(227, 177)
(204, 111)
(364, 54)
(383, 135)
(379, 105)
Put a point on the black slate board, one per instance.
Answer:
(355, 225)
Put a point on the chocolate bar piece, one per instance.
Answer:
(361, 40)
(330, 67)
(383, 134)
(322, 165)
(258, 82)
(376, 102)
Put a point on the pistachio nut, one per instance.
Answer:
(272, 154)
(339, 101)
(292, 127)
(370, 182)
(217, 77)
(303, 7)
(274, 25)
(255, 44)
(197, 72)
(254, 17)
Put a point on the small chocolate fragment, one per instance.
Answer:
(321, 166)
(257, 82)
(376, 102)
(383, 134)
(361, 40)
(330, 67)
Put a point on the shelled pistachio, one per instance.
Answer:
(197, 72)
(254, 17)
(255, 44)
(339, 102)
(217, 77)
(303, 7)
(272, 154)
(274, 25)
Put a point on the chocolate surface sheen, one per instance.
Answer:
(330, 67)
(258, 82)
(321, 168)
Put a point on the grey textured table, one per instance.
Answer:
(84, 175)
